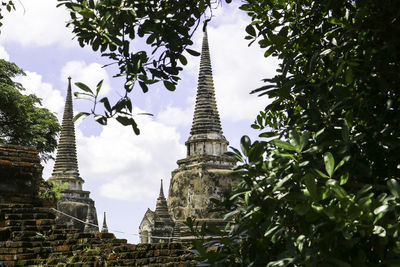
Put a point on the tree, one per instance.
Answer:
(324, 190)
(22, 120)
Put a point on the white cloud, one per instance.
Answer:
(238, 69)
(51, 98)
(90, 74)
(127, 166)
(3, 53)
(38, 23)
(175, 116)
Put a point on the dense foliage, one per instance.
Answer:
(22, 120)
(326, 191)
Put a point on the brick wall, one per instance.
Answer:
(20, 174)
(30, 236)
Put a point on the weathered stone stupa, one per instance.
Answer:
(205, 172)
(157, 226)
(74, 201)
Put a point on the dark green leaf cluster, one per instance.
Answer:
(22, 120)
(122, 110)
(296, 206)
(325, 191)
(111, 26)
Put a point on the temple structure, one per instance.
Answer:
(74, 201)
(204, 173)
(157, 226)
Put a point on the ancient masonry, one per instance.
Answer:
(202, 175)
(30, 235)
(74, 201)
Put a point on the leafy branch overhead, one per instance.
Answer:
(110, 28)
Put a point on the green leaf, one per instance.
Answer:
(84, 87)
(169, 85)
(135, 128)
(144, 87)
(183, 59)
(125, 120)
(271, 230)
(192, 52)
(250, 30)
(394, 187)
(151, 38)
(349, 76)
(363, 190)
(317, 207)
(87, 13)
(282, 182)
(268, 134)
(304, 140)
(300, 242)
(334, 185)
(344, 178)
(98, 87)
(329, 163)
(321, 174)
(381, 209)
(80, 114)
(311, 185)
(245, 144)
(106, 103)
(379, 230)
(101, 119)
(282, 144)
(339, 165)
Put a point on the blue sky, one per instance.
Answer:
(122, 170)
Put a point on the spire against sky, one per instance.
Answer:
(66, 164)
(123, 170)
(206, 116)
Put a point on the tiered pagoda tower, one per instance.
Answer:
(74, 201)
(205, 172)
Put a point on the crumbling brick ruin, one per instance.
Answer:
(30, 236)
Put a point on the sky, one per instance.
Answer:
(121, 170)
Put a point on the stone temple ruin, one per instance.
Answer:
(202, 175)
(74, 201)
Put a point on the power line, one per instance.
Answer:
(113, 230)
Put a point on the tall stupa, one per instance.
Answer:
(205, 172)
(74, 200)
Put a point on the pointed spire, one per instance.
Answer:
(161, 205)
(104, 229)
(66, 165)
(161, 190)
(206, 117)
